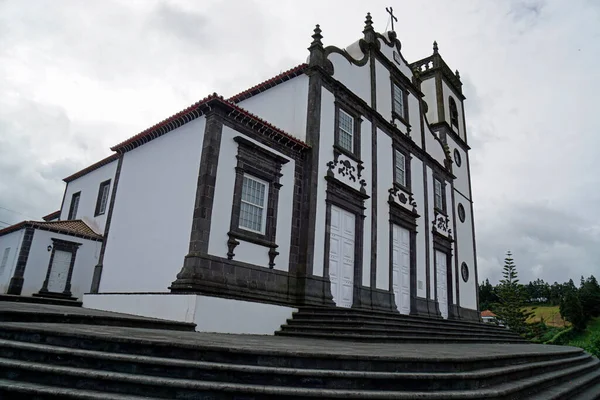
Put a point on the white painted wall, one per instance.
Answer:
(385, 180)
(39, 259)
(430, 211)
(434, 147)
(325, 155)
(355, 78)
(414, 119)
(466, 253)
(461, 183)
(153, 212)
(223, 200)
(88, 185)
(421, 245)
(388, 52)
(283, 106)
(210, 314)
(13, 241)
(428, 89)
(384, 91)
(449, 206)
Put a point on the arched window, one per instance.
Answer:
(453, 113)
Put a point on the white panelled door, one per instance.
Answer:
(401, 268)
(341, 256)
(442, 287)
(59, 271)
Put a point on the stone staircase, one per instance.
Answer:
(41, 360)
(363, 325)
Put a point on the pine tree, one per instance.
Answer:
(511, 297)
(571, 308)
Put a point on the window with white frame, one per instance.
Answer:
(74, 205)
(438, 194)
(102, 200)
(400, 168)
(346, 131)
(254, 200)
(398, 103)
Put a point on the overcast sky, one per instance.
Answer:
(77, 77)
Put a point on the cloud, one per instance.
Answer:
(77, 77)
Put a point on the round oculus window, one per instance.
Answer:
(461, 212)
(457, 158)
(464, 272)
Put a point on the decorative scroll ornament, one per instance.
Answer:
(345, 169)
(396, 192)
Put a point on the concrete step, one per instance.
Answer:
(367, 328)
(45, 313)
(157, 387)
(582, 387)
(297, 353)
(403, 321)
(290, 377)
(350, 313)
(39, 300)
(414, 337)
(15, 390)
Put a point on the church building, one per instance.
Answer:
(342, 182)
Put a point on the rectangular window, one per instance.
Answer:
(438, 194)
(252, 209)
(74, 205)
(346, 131)
(102, 200)
(4, 260)
(400, 168)
(398, 105)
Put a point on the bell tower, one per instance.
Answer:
(443, 93)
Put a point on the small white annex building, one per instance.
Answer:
(341, 182)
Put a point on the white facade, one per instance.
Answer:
(88, 186)
(39, 260)
(152, 216)
(373, 212)
(10, 246)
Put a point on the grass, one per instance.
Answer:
(589, 340)
(549, 314)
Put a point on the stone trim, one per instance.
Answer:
(258, 162)
(71, 216)
(356, 135)
(16, 282)
(351, 200)
(444, 127)
(67, 246)
(469, 315)
(99, 267)
(232, 279)
(408, 220)
(99, 198)
(207, 180)
(372, 115)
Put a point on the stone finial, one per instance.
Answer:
(435, 47)
(457, 74)
(368, 23)
(317, 36)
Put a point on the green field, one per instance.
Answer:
(549, 314)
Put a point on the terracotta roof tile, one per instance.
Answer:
(196, 110)
(74, 227)
(487, 313)
(92, 167)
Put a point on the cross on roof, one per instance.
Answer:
(390, 11)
